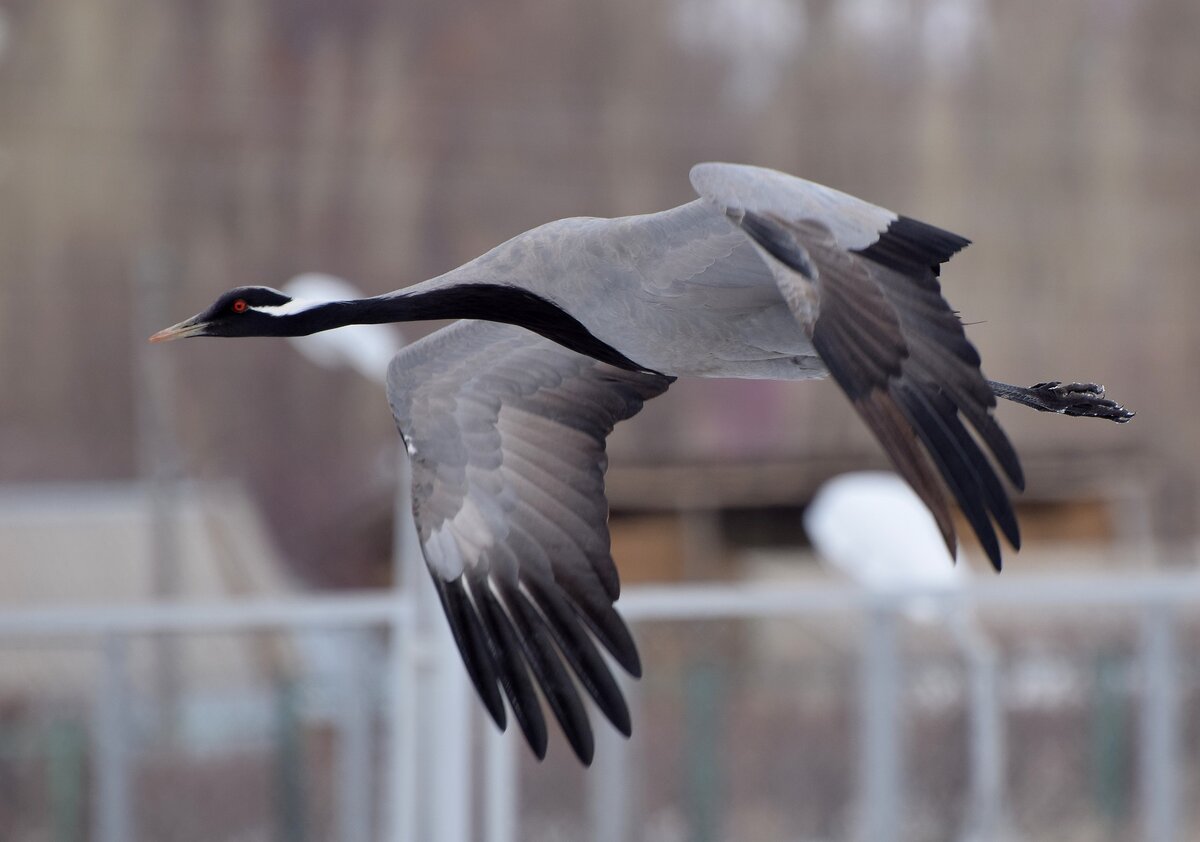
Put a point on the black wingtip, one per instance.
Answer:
(1017, 479)
(962, 466)
(544, 662)
(514, 677)
(606, 624)
(476, 654)
(910, 246)
(579, 652)
(991, 545)
(582, 741)
(1000, 446)
(994, 553)
(991, 548)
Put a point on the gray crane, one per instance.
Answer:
(568, 328)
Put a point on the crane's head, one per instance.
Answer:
(244, 311)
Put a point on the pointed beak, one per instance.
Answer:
(186, 328)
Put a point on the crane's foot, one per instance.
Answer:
(1081, 399)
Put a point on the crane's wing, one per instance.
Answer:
(506, 430)
(863, 282)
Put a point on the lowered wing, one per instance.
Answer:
(507, 433)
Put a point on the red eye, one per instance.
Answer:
(239, 306)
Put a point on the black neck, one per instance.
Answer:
(487, 302)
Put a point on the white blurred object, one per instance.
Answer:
(366, 348)
(949, 36)
(955, 33)
(757, 39)
(876, 23)
(874, 528)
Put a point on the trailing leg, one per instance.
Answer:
(1082, 399)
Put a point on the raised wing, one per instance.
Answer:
(507, 431)
(855, 224)
(863, 282)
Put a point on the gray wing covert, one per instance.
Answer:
(691, 250)
(507, 435)
(854, 223)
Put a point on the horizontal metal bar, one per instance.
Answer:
(346, 609)
(1086, 589)
(733, 600)
(703, 601)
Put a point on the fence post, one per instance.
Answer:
(501, 784)
(446, 721)
(703, 778)
(110, 807)
(614, 781)
(431, 722)
(66, 750)
(879, 738)
(291, 799)
(986, 820)
(1159, 726)
(353, 763)
(401, 700)
(403, 803)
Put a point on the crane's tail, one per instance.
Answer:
(1083, 399)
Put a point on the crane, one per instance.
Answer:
(567, 329)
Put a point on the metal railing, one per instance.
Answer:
(428, 701)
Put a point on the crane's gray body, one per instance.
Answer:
(683, 291)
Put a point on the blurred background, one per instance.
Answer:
(154, 154)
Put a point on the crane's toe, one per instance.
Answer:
(1080, 399)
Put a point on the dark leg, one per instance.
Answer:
(1083, 399)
